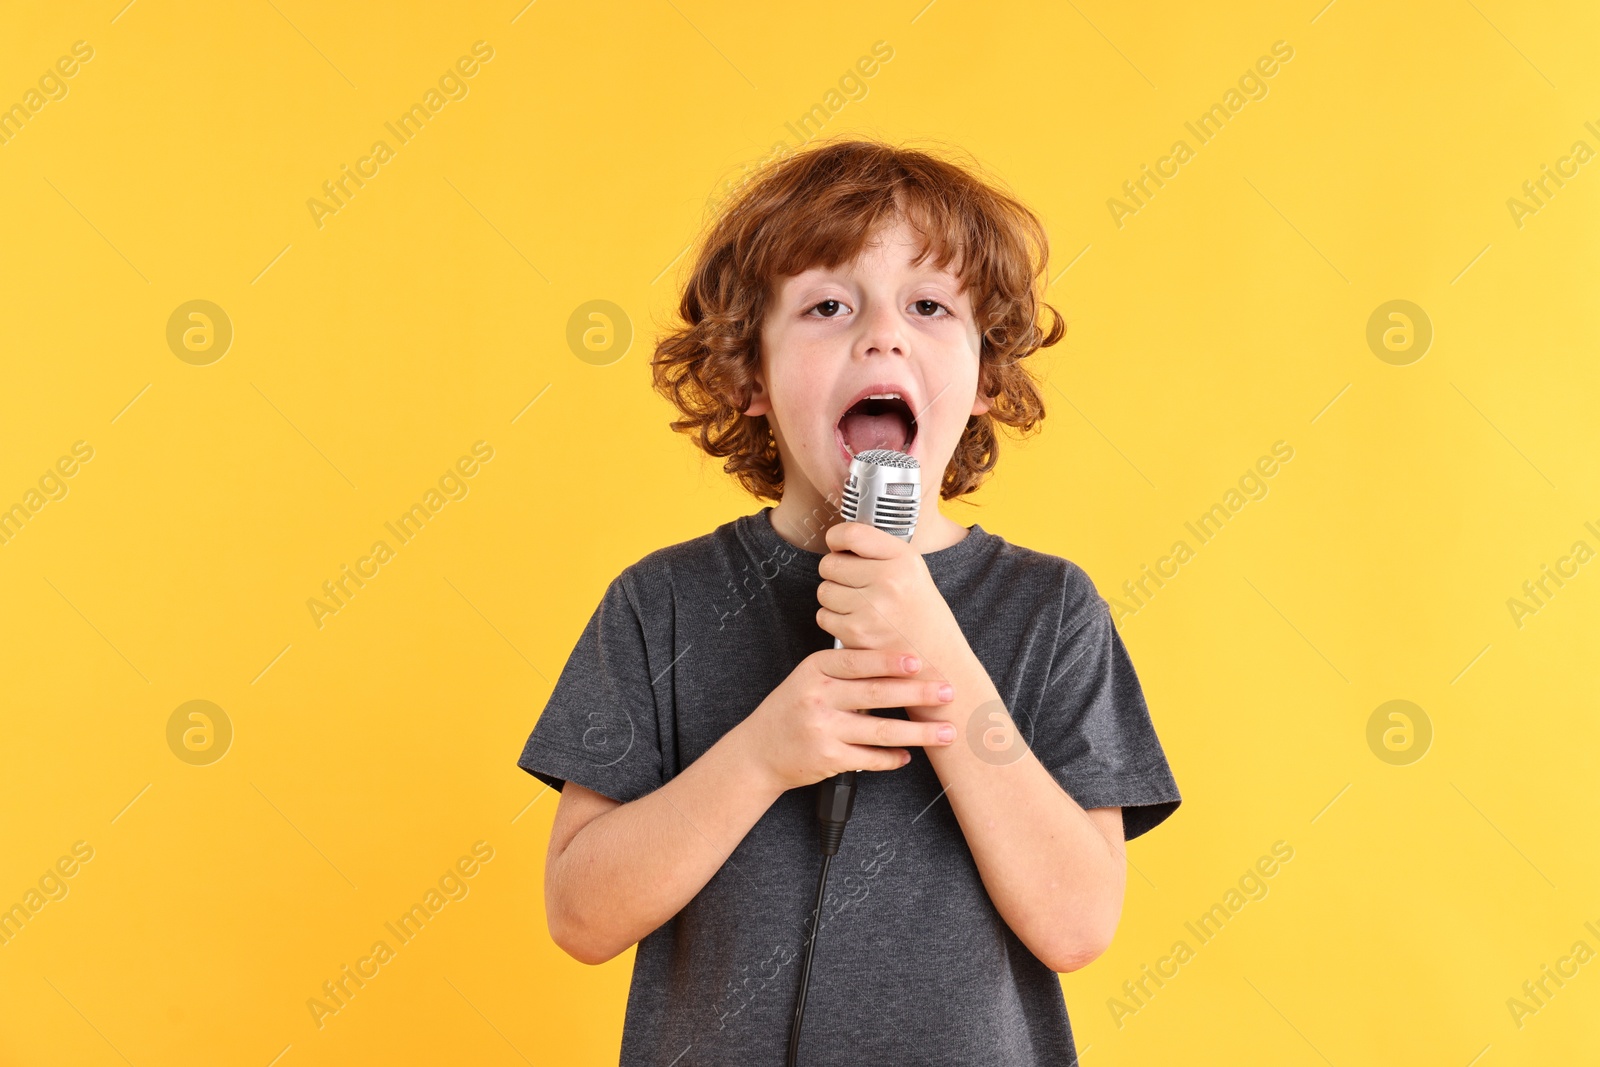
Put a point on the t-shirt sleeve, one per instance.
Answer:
(599, 727)
(1093, 731)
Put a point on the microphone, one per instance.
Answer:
(884, 489)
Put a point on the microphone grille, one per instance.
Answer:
(852, 501)
(885, 457)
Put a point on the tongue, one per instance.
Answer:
(866, 432)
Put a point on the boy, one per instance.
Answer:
(853, 296)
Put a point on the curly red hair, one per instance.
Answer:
(820, 207)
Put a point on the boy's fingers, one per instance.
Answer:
(845, 568)
(860, 694)
(868, 663)
(880, 759)
(882, 732)
(838, 598)
(865, 540)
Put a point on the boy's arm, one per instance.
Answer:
(1055, 872)
(617, 871)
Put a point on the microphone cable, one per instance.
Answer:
(836, 798)
(884, 488)
(805, 968)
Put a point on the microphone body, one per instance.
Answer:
(884, 489)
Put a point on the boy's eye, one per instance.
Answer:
(829, 309)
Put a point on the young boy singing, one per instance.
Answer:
(853, 296)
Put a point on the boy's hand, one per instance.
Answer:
(877, 593)
(809, 728)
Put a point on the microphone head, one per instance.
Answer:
(884, 489)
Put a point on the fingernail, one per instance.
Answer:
(911, 664)
(947, 692)
(906, 760)
(947, 732)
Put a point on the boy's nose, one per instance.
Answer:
(882, 333)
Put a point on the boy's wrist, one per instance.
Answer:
(960, 666)
(742, 761)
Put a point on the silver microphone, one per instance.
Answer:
(884, 489)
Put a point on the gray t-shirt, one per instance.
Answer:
(913, 963)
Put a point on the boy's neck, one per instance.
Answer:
(804, 516)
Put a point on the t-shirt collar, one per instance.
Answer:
(765, 543)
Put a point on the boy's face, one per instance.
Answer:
(874, 327)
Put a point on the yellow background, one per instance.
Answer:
(368, 354)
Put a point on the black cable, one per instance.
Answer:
(805, 968)
(836, 798)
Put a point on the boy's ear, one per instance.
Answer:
(981, 402)
(760, 403)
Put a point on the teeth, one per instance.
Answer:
(884, 396)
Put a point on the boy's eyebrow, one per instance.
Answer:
(921, 274)
(799, 295)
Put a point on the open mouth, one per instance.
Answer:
(879, 420)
